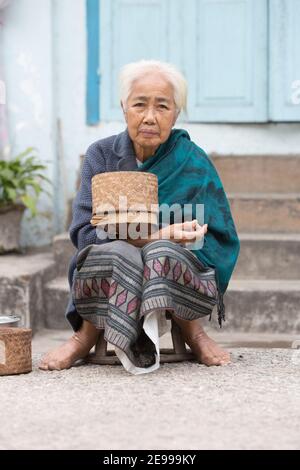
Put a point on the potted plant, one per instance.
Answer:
(20, 185)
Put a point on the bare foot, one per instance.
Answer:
(204, 348)
(77, 347)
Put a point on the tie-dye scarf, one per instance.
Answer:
(187, 176)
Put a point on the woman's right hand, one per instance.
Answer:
(185, 232)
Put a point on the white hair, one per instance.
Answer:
(135, 70)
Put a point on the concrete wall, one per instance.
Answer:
(43, 48)
(26, 54)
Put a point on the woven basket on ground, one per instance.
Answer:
(15, 351)
(140, 189)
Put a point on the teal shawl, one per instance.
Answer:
(187, 176)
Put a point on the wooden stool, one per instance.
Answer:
(177, 354)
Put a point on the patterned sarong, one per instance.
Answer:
(118, 287)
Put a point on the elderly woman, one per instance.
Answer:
(126, 286)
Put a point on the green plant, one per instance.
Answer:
(21, 180)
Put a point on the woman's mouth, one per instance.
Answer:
(147, 133)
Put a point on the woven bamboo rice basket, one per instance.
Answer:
(140, 189)
(15, 351)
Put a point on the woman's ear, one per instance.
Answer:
(124, 111)
(175, 117)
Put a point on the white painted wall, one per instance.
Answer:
(43, 49)
(70, 65)
(26, 54)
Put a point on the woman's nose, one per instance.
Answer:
(149, 115)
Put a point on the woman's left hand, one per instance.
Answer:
(189, 233)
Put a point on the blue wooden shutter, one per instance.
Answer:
(226, 49)
(220, 45)
(131, 30)
(285, 60)
(93, 57)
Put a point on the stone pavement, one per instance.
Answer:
(253, 403)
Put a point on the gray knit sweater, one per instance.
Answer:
(115, 153)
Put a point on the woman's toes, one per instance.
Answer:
(217, 361)
(54, 365)
(43, 366)
(44, 362)
(225, 363)
(209, 360)
(224, 360)
(226, 357)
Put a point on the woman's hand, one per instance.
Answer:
(185, 232)
(182, 233)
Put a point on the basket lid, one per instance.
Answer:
(138, 187)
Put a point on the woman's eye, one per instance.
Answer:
(163, 106)
(138, 104)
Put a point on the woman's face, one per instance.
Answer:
(150, 113)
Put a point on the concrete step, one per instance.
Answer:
(63, 250)
(22, 280)
(263, 306)
(268, 256)
(266, 213)
(56, 299)
(251, 306)
(259, 173)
